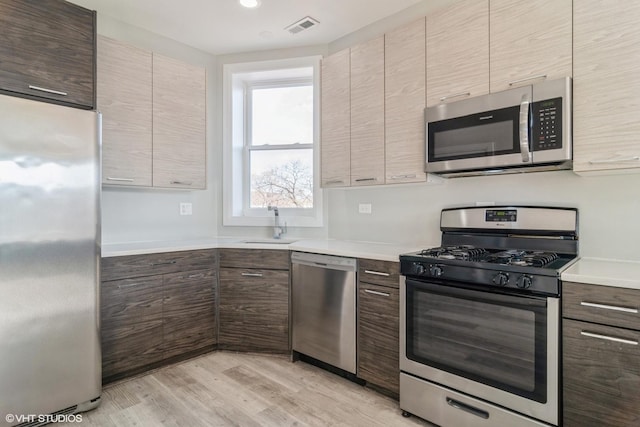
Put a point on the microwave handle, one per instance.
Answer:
(524, 128)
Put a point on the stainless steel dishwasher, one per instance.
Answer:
(323, 296)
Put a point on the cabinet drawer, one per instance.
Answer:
(378, 335)
(601, 375)
(131, 300)
(161, 263)
(384, 273)
(273, 259)
(601, 304)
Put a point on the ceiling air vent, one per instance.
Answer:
(303, 24)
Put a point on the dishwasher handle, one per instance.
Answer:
(329, 262)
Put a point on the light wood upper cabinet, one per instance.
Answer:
(179, 117)
(606, 86)
(335, 147)
(124, 99)
(367, 113)
(404, 103)
(529, 39)
(458, 52)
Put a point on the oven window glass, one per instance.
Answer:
(494, 339)
(477, 135)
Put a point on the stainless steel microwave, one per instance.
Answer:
(518, 130)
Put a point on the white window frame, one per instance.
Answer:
(237, 78)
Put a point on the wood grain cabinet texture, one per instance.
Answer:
(601, 354)
(335, 146)
(405, 99)
(606, 86)
(458, 61)
(179, 122)
(48, 51)
(378, 324)
(367, 113)
(254, 300)
(156, 308)
(125, 100)
(529, 39)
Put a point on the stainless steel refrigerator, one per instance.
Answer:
(49, 259)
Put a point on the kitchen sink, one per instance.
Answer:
(269, 241)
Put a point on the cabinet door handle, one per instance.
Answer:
(335, 181)
(187, 183)
(526, 79)
(616, 160)
(129, 285)
(377, 273)
(194, 276)
(110, 178)
(456, 95)
(44, 89)
(251, 274)
(366, 179)
(398, 177)
(609, 307)
(153, 264)
(608, 338)
(382, 294)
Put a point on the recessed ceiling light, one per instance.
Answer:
(250, 3)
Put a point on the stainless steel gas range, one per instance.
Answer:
(480, 333)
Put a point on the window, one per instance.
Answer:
(270, 140)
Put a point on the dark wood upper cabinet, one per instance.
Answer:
(47, 51)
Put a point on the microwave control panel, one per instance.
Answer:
(546, 132)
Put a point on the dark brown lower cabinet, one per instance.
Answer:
(254, 310)
(600, 356)
(378, 332)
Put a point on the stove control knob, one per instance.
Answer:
(435, 270)
(524, 282)
(418, 269)
(501, 279)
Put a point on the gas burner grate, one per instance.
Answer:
(465, 253)
(523, 258)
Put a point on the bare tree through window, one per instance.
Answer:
(289, 185)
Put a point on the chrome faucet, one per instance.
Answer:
(278, 230)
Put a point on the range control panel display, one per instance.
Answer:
(501, 215)
(547, 125)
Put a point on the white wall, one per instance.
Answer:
(608, 208)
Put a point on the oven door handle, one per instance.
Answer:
(467, 408)
(491, 297)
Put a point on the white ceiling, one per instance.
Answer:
(223, 26)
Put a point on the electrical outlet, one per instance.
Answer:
(186, 208)
(364, 208)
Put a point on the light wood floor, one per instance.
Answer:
(231, 389)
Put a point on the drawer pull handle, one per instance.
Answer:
(44, 89)
(456, 95)
(251, 274)
(129, 285)
(399, 177)
(610, 307)
(382, 294)
(181, 183)
(193, 276)
(377, 273)
(616, 160)
(110, 178)
(467, 408)
(526, 79)
(608, 338)
(154, 264)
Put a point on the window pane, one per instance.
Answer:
(282, 115)
(283, 178)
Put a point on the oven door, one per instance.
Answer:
(498, 347)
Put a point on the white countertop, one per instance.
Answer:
(371, 250)
(606, 272)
